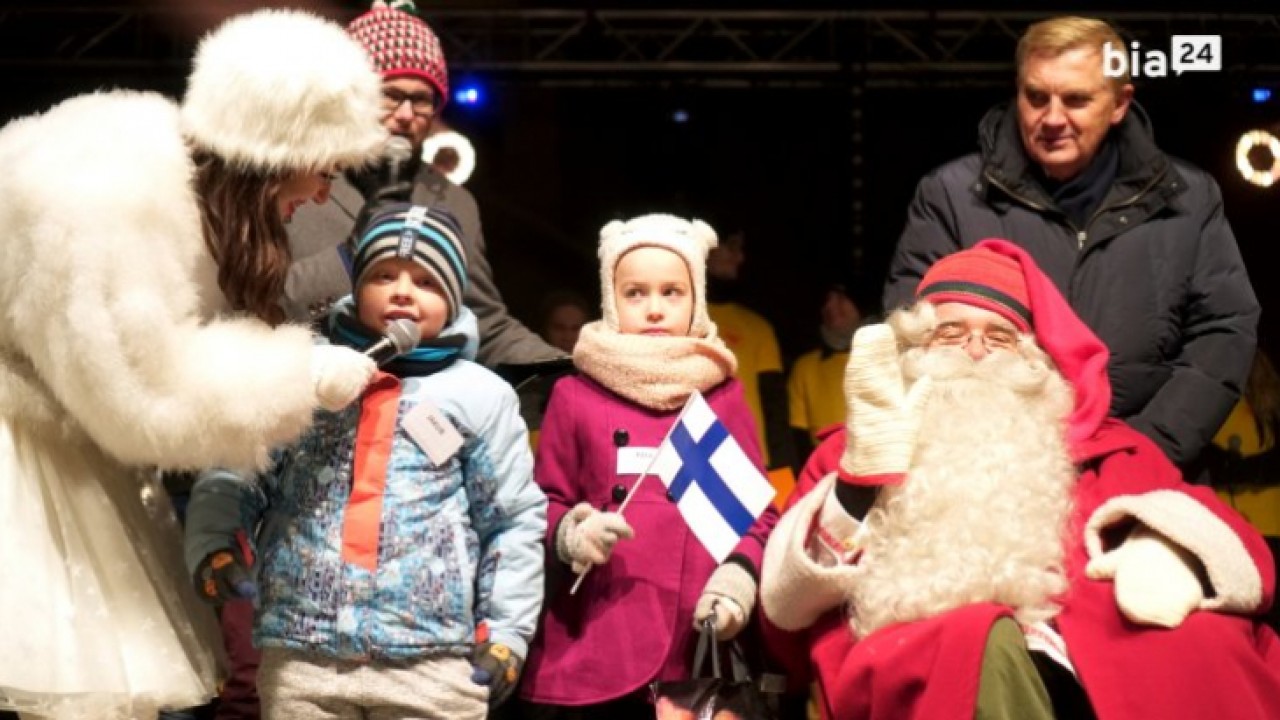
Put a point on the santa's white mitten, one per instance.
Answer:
(884, 415)
(1155, 581)
(728, 598)
(339, 375)
(586, 536)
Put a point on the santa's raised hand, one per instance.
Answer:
(884, 415)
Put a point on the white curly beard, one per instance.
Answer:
(981, 516)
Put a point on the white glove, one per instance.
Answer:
(884, 417)
(586, 536)
(1155, 581)
(729, 596)
(339, 375)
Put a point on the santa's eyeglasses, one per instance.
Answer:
(954, 334)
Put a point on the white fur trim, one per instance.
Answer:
(690, 239)
(283, 90)
(794, 589)
(1236, 582)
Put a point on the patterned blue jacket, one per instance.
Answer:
(459, 542)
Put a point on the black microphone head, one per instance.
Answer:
(404, 334)
(397, 150)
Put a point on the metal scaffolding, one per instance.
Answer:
(852, 51)
(612, 47)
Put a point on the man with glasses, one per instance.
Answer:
(990, 544)
(415, 87)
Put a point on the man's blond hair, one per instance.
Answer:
(1056, 36)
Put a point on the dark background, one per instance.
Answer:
(560, 156)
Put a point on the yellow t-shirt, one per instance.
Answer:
(752, 340)
(1259, 505)
(815, 391)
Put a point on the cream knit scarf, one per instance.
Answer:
(658, 373)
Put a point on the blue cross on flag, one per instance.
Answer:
(718, 490)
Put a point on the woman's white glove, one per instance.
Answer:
(729, 597)
(586, 536)
(1156, 582)
(339, 374)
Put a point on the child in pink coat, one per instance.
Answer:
(650, 580)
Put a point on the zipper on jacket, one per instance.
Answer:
(1082, 235)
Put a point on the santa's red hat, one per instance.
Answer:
(999, 276)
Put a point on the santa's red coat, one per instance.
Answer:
(1213, 665)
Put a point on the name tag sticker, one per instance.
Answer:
(432, 432)
(635, 460)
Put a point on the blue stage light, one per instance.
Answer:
(1261, 95)
(467, 95)
(680, 116)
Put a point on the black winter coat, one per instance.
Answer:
(1156, 272)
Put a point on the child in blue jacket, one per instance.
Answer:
(397, 559)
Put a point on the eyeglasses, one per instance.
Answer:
(423, 104)
(954, 334)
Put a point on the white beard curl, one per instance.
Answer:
(981, 516)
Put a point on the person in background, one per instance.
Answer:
(419, 503)
(563, 314)
(415, 89)
(144, 261)
(1243, 462)
(815, 388)
(1136, 240)
(752, 340)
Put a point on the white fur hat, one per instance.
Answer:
(690, 239)
(284, 90)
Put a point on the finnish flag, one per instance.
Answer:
(718, 490)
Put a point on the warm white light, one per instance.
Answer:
(1265, 177)
(460, 144)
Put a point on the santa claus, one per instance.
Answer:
(992, 545)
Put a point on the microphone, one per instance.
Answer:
(402, 336)
(396, 153)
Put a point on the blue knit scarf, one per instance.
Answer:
(431, 354)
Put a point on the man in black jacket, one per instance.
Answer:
(1136, 240)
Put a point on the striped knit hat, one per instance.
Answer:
(427, 236)
(980, 277)
(402, 44)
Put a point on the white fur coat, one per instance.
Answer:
(109, 299)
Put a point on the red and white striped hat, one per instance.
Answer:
(402, 44)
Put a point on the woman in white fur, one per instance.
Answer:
(145, 256)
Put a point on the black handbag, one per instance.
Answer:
(714, 696)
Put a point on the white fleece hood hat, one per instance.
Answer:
(690, 239)
(284, 90)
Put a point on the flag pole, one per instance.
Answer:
(636, 485)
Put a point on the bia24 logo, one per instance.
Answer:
(1188, 53)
